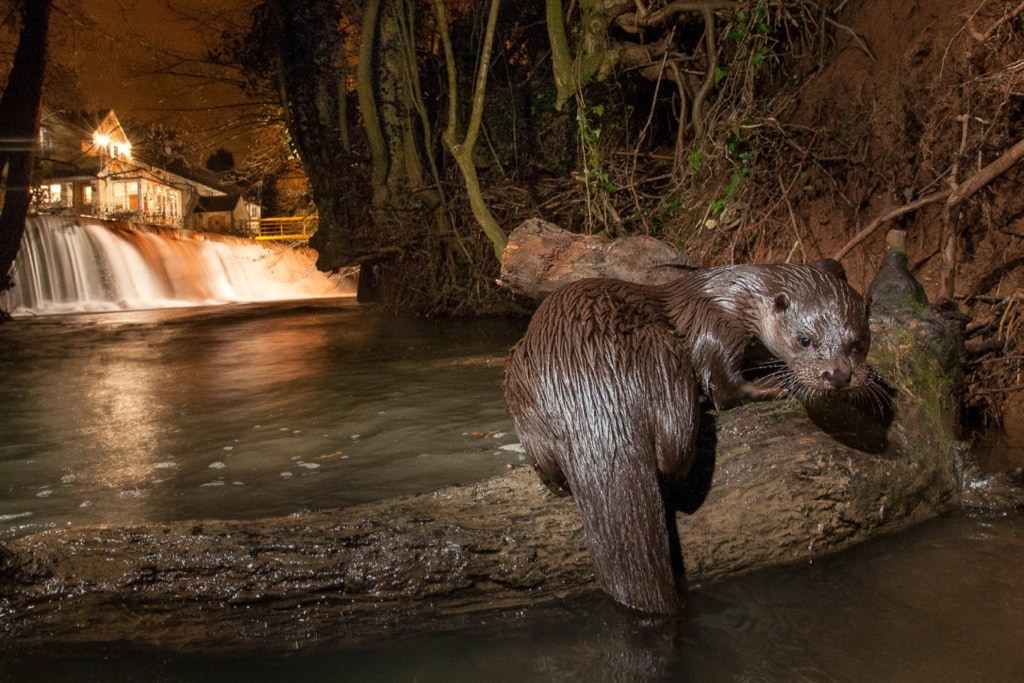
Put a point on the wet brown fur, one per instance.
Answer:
(806, 316)
(604, 391)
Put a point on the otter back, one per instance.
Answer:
(604, 398)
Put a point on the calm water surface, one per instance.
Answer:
(242, 411)
(264, 410)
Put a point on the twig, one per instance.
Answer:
(797, 243)
(665, 64)
(975, 349)
(1005, 322)
(998, 390)
(1005, 18)
(952, 197)
(886, 217)
(634, 21)
(697, 107)
(949, 233)
(857, 39)
(987, 174)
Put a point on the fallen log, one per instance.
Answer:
(776, 483)
(541, 257)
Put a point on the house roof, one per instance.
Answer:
(218, 203)
(202, 176)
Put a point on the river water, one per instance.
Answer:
(268, 409)
(242, 411)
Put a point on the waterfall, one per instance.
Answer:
(69, 265)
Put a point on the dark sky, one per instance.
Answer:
(119, 46)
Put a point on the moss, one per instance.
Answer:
(920, 353)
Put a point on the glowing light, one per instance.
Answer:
(112, 148)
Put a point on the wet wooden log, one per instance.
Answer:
(541, 257)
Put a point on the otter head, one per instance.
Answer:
(818, 325)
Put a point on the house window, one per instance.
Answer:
(87, 194)
(126, 195)
(163, 201)
(45, 141)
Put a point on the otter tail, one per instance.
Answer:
(631, 534)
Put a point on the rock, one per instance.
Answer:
(894, 286)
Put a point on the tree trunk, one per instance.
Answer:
(775, 483)
(395, 86)
(368, 101)
(561, 57)
(596, 54)
(19, 129)
(307, 68)
(463, 150)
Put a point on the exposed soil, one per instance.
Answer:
(917, 98)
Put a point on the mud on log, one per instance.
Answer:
(787, 484)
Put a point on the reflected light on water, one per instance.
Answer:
(121, 416)
(242, 412)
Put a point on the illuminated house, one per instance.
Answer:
(85, 166)
(227, 213)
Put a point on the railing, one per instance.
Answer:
(110, 212)
(114, 212)
(294, 229)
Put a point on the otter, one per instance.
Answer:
(605, 399)
(806, 318)
(604, 391)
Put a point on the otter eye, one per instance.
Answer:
(806, 342)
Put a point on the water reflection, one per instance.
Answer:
(121, 417)
(242, 411)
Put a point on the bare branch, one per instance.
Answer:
(632, 22)
(888, 216)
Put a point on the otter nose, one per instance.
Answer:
(836, 378)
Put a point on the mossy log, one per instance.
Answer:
(776, 483)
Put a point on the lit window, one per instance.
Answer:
(45, 140)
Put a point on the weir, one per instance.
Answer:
(71, 265)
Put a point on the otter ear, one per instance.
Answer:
(781, 302)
